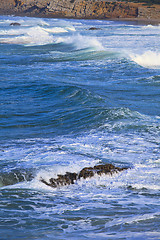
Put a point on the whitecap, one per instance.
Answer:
(32, 36)
(148, 59)
(150, 26)
(82, 42)
(55, 30)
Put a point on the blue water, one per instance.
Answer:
(71, 98)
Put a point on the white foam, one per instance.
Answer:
(11, 32)
(134, 219)
(71, 28)
(26, 21)
(82, 42)
(157, 27)
(55, 30)
(148, 59)
(26, 30)
(32, 36)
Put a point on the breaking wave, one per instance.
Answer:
(82, 42)
(32, 33)
(31, 36)
(148, 59)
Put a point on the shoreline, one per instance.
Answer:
(138, 13)
(135, 21)
(138, 21)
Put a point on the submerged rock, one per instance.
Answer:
(87, 172)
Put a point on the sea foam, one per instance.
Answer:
(148, 59)
(32, 36)
(82, 42)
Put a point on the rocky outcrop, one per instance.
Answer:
(149, 12)
(88, 172)
(69, 8)
(86, 9)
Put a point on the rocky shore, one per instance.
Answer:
(81, 9)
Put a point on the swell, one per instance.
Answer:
(79, 55)
(66, 109)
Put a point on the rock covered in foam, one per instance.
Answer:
(87, 172)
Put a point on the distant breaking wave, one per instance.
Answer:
(29, 34)
(148, 59)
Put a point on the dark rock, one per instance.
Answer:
(61, 180)
(15, 24)
(16, 176)
(94, 28)
(87, 172)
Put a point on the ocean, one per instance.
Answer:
(72, 97)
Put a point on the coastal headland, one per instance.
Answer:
(82, 9)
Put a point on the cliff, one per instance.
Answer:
(86, 9)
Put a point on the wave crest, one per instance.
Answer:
(148, 59)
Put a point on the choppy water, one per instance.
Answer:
(71, 98)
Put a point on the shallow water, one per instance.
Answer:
(71, 98)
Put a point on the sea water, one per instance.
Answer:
(72, 98)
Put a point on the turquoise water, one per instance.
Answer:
(70, 98)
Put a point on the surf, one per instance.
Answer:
(148, 59)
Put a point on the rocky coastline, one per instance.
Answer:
(82, 9)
